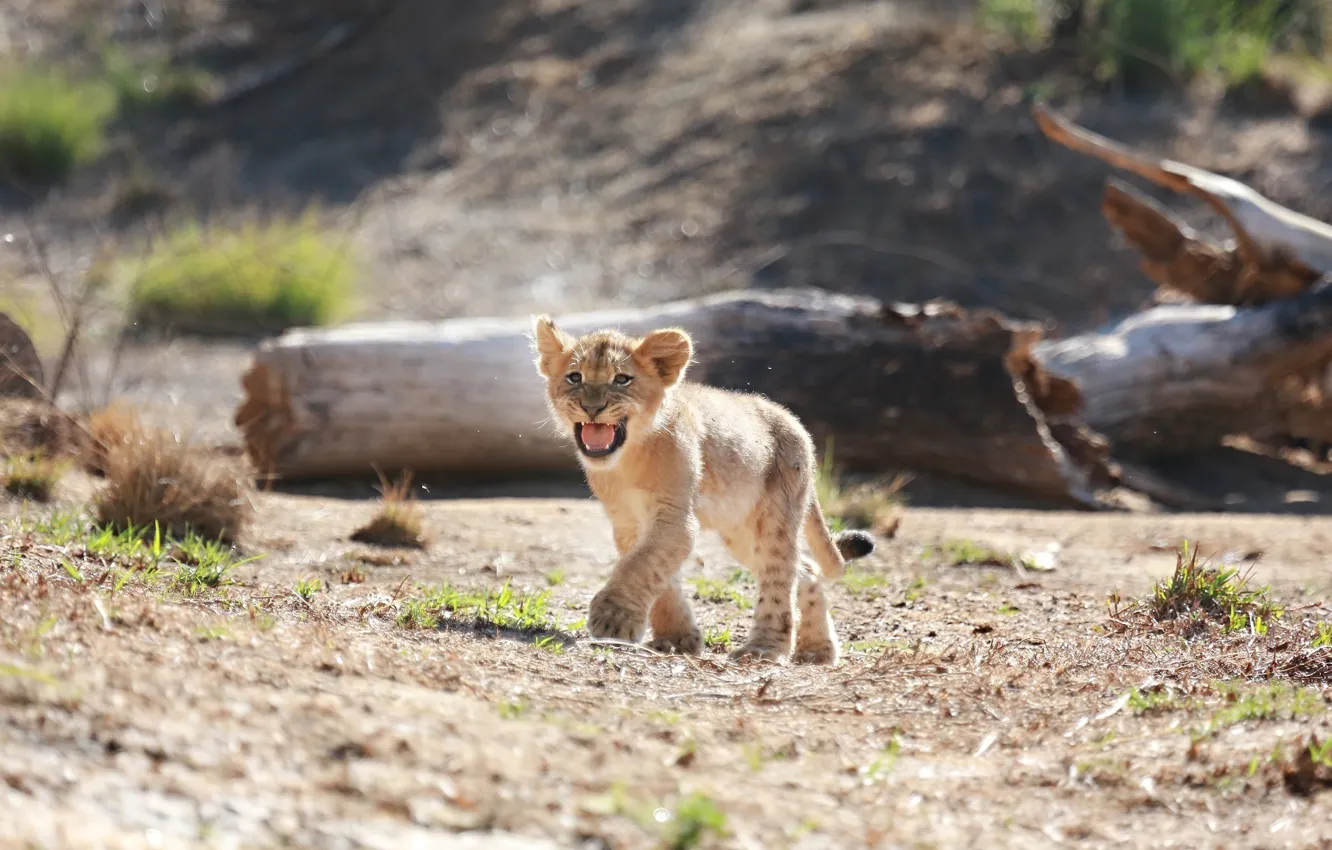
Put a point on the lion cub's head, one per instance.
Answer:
(607, 387)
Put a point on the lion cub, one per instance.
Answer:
(666, 458)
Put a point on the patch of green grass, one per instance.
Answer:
(1151, 701)
(721, 591)
(59, 528)
(754, 757)
(1272, 701)
(33, 477)
(256, 278)
(130, 546)
(866, 647)
(915, 590)
(969, 553)
(882, 765)
(1020, 20)
(806, 827)
(514, 709)
(717, 638)
(861, 581)
(207, 633)
(49, 123)
(681, 827)
(1222, 594)
(72, 571)
(1322, 635)
(204, 564)
(500, 608)
(1154, 43)
(740, 576)
(306, 588)
(550, 643)
(1321, 753)
(555, 577)
(415, 614)
(153, 84)
(143, 553)
(695, 817)
(24, 673)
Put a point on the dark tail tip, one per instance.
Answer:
(854, 544)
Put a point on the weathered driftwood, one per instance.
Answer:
(1277, 252)
(1179, 378)
(927, 388)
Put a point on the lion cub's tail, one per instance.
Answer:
(831, 553)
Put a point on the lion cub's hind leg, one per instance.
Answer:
(769, 549)
(816, 639)
(673, 626)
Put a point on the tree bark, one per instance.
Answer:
(1278, 252)
(926, 388)
(930, 388)
(1179, 378)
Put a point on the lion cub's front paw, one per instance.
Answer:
(687, 643)
(816, 653)
(764, 650)
(610, 617)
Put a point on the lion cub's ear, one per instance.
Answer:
(552, 344)
(667, 353)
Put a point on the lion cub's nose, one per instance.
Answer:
(592, 408)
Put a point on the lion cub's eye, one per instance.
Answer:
(623, 380)
(574, 377)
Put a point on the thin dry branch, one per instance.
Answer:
(1280, 252)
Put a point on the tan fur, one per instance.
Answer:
(695, 457)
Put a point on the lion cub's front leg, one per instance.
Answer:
(673, 626)
(644, 574)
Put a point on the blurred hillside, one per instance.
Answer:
(501, 157)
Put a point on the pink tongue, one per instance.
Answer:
(597, 438)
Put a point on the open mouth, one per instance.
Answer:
(599, 439)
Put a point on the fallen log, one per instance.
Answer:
(1178, 381)
(930, 388)
(1179, 378)
(927, 388)
(1277, 253)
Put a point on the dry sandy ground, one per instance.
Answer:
(976, 706)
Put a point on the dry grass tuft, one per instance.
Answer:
(398, 523)
(1197, 591)
(154, 477)
(33, 477)
(107, 427)
(36, 427)
(875, 506)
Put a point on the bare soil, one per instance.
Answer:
(503, 157)
(975, 705)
